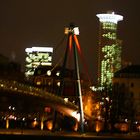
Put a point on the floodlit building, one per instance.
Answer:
(36, 56)
(109, 49)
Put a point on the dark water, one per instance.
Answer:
(48, 137)
(19, 134)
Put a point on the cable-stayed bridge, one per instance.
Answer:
(56, 102)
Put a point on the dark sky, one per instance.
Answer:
(27, 23)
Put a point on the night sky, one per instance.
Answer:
(27, 23)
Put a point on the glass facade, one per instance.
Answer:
(109, 58)
(36, 56)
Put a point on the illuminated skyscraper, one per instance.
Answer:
(36, 56)
(109, 49)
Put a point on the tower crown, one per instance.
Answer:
(109, 17)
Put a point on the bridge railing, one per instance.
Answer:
(20, 88)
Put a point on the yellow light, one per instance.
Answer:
(38, 83)
(66, 99)
(49, 73)
(98, 126)
(7, 123)
(35, 123)
(58, 84)
(42, 125)
(49, 125)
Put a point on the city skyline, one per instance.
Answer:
(34, 23)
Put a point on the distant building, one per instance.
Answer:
(36, 56)
(10, 70)
(126, 90)
(109, 49)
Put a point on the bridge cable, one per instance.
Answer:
(82, 57)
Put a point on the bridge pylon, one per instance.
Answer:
(72, 43)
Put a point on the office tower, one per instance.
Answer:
(109, 49)
(36, 56)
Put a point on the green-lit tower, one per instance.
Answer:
(109, 49)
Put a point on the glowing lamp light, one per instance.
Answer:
(49, 125)
(66, 99)
(49, 72)
(98, 126)
(34, 123)
(66, 30)
(58, 73)
(58, 84)
(38, 83)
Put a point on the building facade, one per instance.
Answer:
(126, 91)
(109, 49)
(36, 56)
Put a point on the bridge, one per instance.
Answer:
(49, 99)
(58, 103)
(15, 89)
